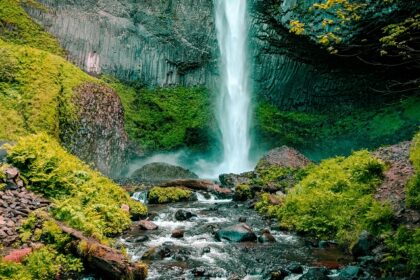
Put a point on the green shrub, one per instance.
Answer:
(279, 178)
(404, 248)
(334, 201)
(170, 194)
(413, 186)
(264, 206)
(82, 198)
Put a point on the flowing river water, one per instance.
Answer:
(199, 255)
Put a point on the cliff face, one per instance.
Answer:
(158, 42)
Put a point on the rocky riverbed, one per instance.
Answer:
(215, 238)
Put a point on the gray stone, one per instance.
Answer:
(236, 233)
(158, 172)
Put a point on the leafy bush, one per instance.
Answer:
(166, 195)
(82, 198)
(264, 206)
(334, 201)
(404, 246)
(413, 186)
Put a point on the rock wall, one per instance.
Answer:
(97, 135)
(158, 42)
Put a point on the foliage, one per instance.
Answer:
(334, 201)
(280, 178)
(264, 206)
(363, 126)
(44, 264)
(297, 27)
(165, 118)
(404, 247)
(413, 186)
(17, 27)
(83, 198)
(170, 194)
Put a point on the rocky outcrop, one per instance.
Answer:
(283, 157)
(97, 134)
(160, 43)
(158, 172)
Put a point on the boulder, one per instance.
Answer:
(283, 157)
(182, 215)
(147, 225)
(365, 243)
(315, 273)
(236, 233)
(17, 255)
(279, 274)
(157, 172)
(266, 237)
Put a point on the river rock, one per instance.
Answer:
(157, 172)
(350, 272)
(266, 237)
(236, 233)
(315, 273)
(178, 233)
(147, 225)
(295, 267)
(182, 215)
(283, 157)
(365, 243)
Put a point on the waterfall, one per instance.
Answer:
(233, 112)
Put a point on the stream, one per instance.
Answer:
(199, 255)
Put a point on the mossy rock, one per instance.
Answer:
(159, 195)
(157, 172)
(243, 192)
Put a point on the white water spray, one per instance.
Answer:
(234, 103)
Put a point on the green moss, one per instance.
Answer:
(340, 131)
(334, 201)
(36, 94)
(44, 264)
(166, 118)
(243, 192)
(17, 27)
(82, 198)
(413, 186)
(278, 178)
(167, 195)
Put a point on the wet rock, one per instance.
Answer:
(178, 233)
(206, 250)
(295, 268)
(236, 233)
(232, 180)
(147, 225)
(242, 220)
(365, 243)
(139, 239)
(182, 254)
(266, 237)
(323, 244)
(283, 157)
(279, 274)
(158, 172)
(183, 215)
(315, 273)
(350, 273)
(208, 272)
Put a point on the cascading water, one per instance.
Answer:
(234, 102)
